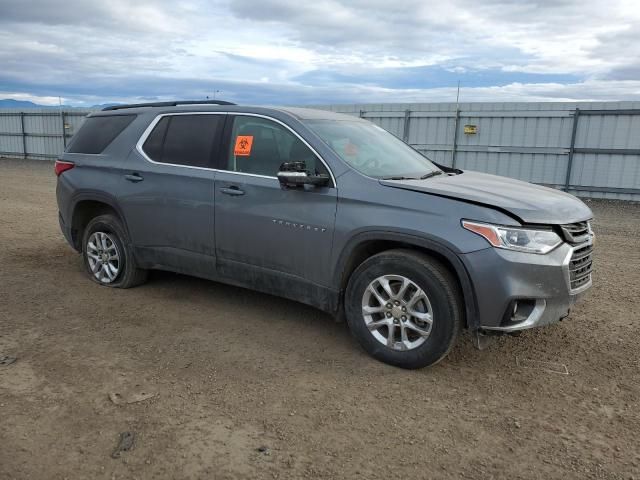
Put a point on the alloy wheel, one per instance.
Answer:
(103, 257)
(397, 312)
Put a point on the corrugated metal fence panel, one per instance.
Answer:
(548, 132)
(11, 124)
(546, 169)
(10, 135)
(11, 146)
(8, 142)
(432, 130)
(608, 170)
(527, 145)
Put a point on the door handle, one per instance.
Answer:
(232, 191)
(134, 177)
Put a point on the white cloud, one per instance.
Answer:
(90, 49)
(547, 36)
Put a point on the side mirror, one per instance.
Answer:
(295, 174)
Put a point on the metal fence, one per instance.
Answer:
(38, 133)
(589, 149)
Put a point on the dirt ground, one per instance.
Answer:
(235, 372)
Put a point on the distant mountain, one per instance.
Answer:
(10, 103)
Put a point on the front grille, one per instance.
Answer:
(580, 266)
(575, 232)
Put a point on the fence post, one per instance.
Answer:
(455, 138)
(361, 113)
(24, 136)
(572, 146)
(405, 128)
(64, 132)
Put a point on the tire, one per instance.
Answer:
(414, 342)
(105, 235)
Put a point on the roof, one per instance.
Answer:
(219, 105)
(167, 104)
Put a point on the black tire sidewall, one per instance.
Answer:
(438, 288)
(109, 224)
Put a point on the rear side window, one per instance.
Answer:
(98, 132)
(184, 139)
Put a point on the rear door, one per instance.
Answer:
(265, 233)
(168, 198)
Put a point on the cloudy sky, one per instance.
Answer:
(296, 52)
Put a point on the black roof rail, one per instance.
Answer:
(168, 104)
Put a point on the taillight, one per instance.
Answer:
(62, 166)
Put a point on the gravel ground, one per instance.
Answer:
(246, 385)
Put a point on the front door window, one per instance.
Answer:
(259, 146)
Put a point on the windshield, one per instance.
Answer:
(372, 150)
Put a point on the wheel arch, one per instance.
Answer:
(367, 244)
(88, 205)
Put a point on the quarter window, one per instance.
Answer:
(153, 146)
(259, 146)
(98, 132)
(184, 139)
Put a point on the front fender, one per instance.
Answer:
(424, 243)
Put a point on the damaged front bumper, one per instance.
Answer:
(516, 291)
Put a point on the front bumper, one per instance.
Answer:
(540, 282)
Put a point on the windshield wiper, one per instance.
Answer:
(423, 177)
(431, 174)
(400, 177)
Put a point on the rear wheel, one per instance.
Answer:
(107, 255)
(404, 308)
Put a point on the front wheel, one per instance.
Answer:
(404, 308)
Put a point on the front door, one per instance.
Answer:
(265, 233)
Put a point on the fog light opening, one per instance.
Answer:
(518, 311)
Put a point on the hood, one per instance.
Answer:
(528, 202)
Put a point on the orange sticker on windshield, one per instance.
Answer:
(243, 145)
(351, 149)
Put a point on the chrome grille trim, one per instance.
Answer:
(576, 233)
(579, 266)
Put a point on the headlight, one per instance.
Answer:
(514, 238)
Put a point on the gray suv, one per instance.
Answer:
(325, 209)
